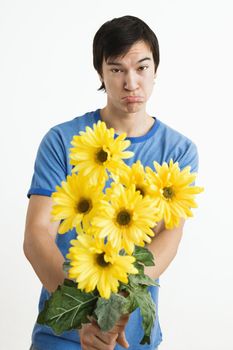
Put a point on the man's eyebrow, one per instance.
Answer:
(112, 63)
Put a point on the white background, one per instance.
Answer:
(47, 77)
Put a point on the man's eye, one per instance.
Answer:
(143, 67)
(115, 70)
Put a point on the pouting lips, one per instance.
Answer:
(133, 99)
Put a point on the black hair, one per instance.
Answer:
(114, 38)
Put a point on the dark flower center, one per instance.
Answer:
(123, 217)
(141, 191)
(100, 260)
(168, 192)
(102, 156)
(84, 206)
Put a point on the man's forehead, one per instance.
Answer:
(139, 52)
(120, 61)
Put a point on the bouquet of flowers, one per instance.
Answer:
(113, 208)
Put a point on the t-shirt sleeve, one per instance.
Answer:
(189, 157)
(50, 165)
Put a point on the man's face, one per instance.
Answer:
(129, 79)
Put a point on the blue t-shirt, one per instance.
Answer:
(52, 165)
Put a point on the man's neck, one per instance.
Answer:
(133, 124)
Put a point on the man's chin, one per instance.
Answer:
(134, 107)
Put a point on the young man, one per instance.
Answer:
(126, 57)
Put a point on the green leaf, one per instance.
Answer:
(67, 308)
(66, 267)
(131, 303)
(140, 297)
(144, 256)
(142, 279)
(139, 267)
(147, 310)
(70, 283)
(145, 340)
(108, 311)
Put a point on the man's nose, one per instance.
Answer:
(131, 82)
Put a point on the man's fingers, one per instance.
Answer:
(95, 338)
(95, 344)
(108, 338)
(122, 321)
(100, 344)
(121, 340)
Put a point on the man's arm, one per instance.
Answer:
(164, 246)
(47, 261)
(39, 243)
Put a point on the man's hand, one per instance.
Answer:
(92, 338)
(119, 328)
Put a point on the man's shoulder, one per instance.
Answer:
(177, 146)
(62, 133)
(172, 134)
(77, 124)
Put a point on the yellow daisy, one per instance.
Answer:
(126, 218)
(134, 175)
(97, 265)
(173, 192)
(96, 151)
(75, 202)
